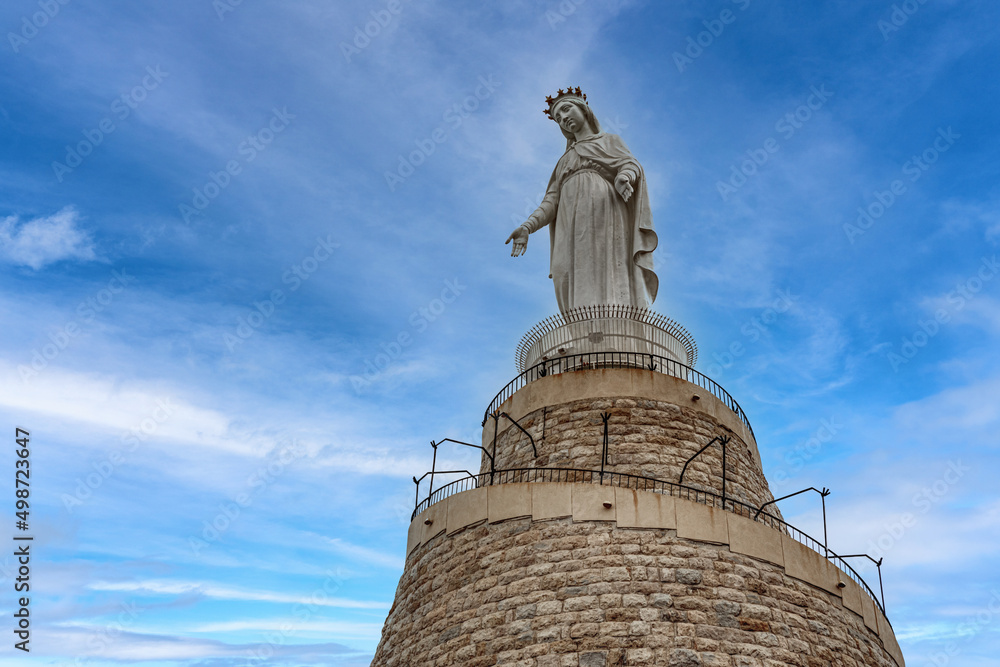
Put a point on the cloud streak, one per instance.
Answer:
(227, 593)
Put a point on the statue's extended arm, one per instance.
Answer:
(543, 215)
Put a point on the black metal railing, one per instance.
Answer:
(606, 311)
(640, 483)
(592, 360)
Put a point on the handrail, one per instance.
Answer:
(579, 475)
(588, 360)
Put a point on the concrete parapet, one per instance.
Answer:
(635, 509)
(755, 539)
(701, 522)
(803, 563)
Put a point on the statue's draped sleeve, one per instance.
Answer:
(546, 211)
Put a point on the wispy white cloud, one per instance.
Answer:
(334, 629)
(358, 552)
(121, 407)
(943, 537)
(95, 641)
(110, 643)
(966, 412)
(45, 240)
(174, 587)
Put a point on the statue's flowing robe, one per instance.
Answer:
(601, 246)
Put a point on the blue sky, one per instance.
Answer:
(211, 228)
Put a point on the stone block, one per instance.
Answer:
(589, 502)
(754, 539)
(892, 646)
(868, 613)
(466, 509)
(888, 637)
(432, 521)
(853, 595)
(701, 522)
(804, 564)
(883, 624)
(682, 657)
(508, 501)
(551, 500)
(594, 659)
(644, 509)
(413, 534)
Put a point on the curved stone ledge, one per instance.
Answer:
(633, 509)
(620, 383)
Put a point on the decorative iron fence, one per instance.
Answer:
(580, 476)
(605, 312)
(592, 360)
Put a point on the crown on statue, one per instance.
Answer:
(569, 92)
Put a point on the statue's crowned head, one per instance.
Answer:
(578, 98)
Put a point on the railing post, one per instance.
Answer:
(724, 441)
(496, 426)
(521, 428)
(826, 543)
(880, 589)
(416, 496)
(878, 564)
(604, 449)
(433, 467)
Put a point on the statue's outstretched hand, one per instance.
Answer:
(623, 184)
(520, 238)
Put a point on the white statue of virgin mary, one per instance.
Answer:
(597, 210)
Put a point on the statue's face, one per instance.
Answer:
(570, 117)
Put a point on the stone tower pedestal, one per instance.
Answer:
(577, 545)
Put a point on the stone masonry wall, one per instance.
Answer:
(559, 593)
(646, 437)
